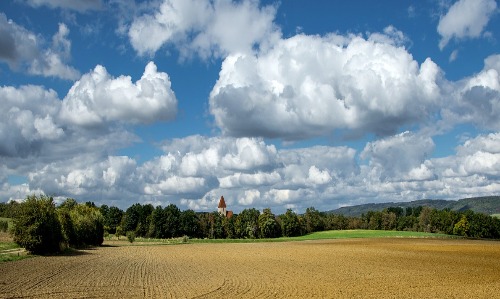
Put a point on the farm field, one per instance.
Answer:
(342, 268)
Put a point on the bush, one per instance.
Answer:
(4, 226)
(88, 225)
(131, 236)
(36, 225)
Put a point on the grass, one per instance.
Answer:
(10, 257)
(332, 234)
(8, 246)
(10, 251)
(361, 233)
(496, 215)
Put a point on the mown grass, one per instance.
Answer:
(7, 246)
(9, 252)
(10, 257)
(496, 215)
(333, 234)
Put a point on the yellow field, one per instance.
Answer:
(353, 268)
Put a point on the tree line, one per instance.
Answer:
(77, 224)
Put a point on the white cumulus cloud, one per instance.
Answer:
(22, 50)
(465, 19)
(309, 85)
(208, 28)
(98, 98)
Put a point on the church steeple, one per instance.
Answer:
(222, 206)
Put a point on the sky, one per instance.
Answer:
(271, 104)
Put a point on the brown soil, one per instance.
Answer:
(355, 268)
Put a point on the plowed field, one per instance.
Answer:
(354, 268)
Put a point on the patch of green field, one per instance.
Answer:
(333, 234)
(360, 233)
(10, 251)
(7, 246)
(13, 257)
(496, 215)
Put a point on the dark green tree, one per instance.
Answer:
(113, 218)
(268, 226)
(36, 225)
(290, 224)
(189, 224)
(247, 224)
(172, 221)
(157, 224)
(314, 220)
(132, 217)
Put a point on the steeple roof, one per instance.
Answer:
(222, 203)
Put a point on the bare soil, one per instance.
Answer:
(354, 268)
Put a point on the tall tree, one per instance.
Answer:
(269, 227)
(290, 224)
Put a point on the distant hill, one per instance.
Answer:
(488, 205)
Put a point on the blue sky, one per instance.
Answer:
(287, 104)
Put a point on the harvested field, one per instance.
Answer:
(353, 268)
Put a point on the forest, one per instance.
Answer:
(42, 227)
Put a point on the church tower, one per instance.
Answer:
(222, 206)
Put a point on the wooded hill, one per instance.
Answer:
(488, 205)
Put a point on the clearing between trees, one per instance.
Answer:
(342, 268)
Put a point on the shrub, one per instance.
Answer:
(4, 226)
(82, 224)
(36, 225)
(131, 236)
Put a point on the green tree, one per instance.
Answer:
(247, 224)
(88, 225)
(314, 220)
(157, 224)
(290, 224)
(132, 217)
(113, 218)
(172, 216)
(36, 225)
(217, 226)
(269, 227)
(189, 224)
(462, 227)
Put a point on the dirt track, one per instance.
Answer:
(356, 268)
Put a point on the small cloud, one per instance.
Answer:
(411, 11)
(453, 56)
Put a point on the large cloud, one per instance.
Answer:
(400, 155)
(98, 98)
(21, 50)
(476, 99)
(465, 19)
(36, 127)
(204, 27)
(309, 85)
